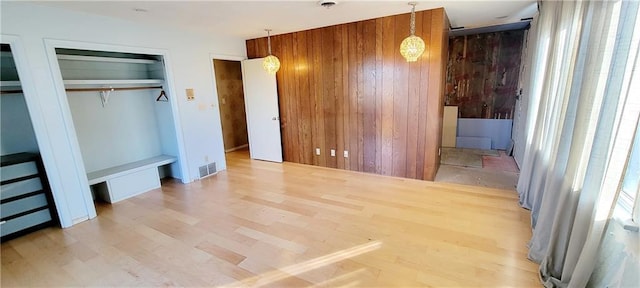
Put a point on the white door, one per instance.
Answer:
(263, 117)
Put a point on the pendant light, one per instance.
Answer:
(271, 63)
(413, 46)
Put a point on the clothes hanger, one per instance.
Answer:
(162, 94)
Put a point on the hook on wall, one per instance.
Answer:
(104, 96)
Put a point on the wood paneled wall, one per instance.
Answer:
(483, 74)
(346, 87)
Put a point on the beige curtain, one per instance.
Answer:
(580, 107)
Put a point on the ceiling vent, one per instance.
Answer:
(327, 3)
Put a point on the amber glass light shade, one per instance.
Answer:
(411, 48)
(271, 64)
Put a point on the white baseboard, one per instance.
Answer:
(236, 148)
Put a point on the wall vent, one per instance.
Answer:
(203, 171)
(212, 168)
(207, 170)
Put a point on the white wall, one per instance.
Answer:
(15, 123)
(498, 130)
(123, 131)
(521, 114)
(15, 126)
(190, 63)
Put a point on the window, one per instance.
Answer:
(628, 205)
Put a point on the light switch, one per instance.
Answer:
(317, 151)
(190, 94)
(346, 154)
(333, 152)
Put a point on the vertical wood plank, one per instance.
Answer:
(339, 95)
(293, 101)
(251, 48)
(388, 60)
(346, 107)
(400, 102)
(262, 47)
(311, 96)
(328, 98)
(292, 86)
(353, 96)
(423, 94)
(319, 102)
(369, 96)
(302, 86)
(413, 102)
(378, 96)
(360, 95)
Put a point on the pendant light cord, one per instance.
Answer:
(412, 25)
(268, 40)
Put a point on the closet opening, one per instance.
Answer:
(122, 114)
(26, 201)
(482, 106)
(230, 89)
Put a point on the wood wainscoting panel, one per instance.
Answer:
(347, 88)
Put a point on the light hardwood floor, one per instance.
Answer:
(277, 225)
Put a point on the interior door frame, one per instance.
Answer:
(214, 56)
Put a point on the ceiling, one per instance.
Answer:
(248, 19)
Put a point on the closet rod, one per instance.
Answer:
(110, 89)
(10, 91)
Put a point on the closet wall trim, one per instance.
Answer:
(105, 59)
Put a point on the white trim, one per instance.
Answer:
(226, 57)
(517, 163)
(236, 148)
(81, 219)
(70, 130)
(50, 46)
(214, 84)
(104, 59)
(175, 109)
(39, 126)
(114, 82)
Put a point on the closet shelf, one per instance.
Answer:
(10, 87)
(113, 82)
(105, 59)
(9, 83)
